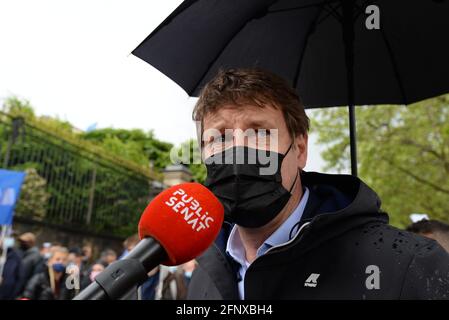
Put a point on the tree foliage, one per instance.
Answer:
(62, 163)
(33, 196)
(403, 154)
(136, 145)
(189, 153)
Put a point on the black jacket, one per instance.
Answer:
(31, 262)
(345, 239)
(12, 282)
(39, 288)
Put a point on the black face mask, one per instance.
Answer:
(249, 187)
(24, 246)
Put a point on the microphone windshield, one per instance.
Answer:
(185, 219)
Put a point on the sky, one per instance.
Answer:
(71, 59)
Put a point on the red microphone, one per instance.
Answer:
(177, 226)
(185, 219)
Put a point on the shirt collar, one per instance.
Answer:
(235, 247)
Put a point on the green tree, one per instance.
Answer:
(189, 154)
(62, 165)
(136, 145)
(33, 196)
(18, 107)
(403, 154)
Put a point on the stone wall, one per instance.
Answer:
(67, 237)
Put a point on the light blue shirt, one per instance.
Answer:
(236, 250)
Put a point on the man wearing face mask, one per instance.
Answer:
(11, 280)
(45, 251)
(50, 284)
(291, 234)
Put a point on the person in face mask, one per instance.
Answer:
(32, 261)
(45, 251)
(92, 273)
(96, 270)
(11, 276)
(288, 233)
(87, 255)
(256, 178)
(51, 284)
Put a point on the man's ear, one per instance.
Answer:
(301, 142)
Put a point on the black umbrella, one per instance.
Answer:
(331, 51)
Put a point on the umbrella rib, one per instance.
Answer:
(333, 11)
(218, 55)
(361, 8)
(301, 56)
(183, 6)
(395, 66)
(392, 59)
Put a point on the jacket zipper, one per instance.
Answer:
(285, 243)
(279, 246)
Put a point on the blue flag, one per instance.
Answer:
(10, 184)
(92, 127)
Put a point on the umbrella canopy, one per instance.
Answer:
(323, 48)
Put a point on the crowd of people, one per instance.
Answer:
(42, 273)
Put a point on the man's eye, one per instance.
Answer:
(263, 133)
(220, 139)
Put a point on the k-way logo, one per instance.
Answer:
(312, 280)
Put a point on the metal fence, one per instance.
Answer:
(81, 188)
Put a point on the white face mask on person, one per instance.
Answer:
(9, 242)
(93, 275)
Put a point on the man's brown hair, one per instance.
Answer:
(255, 87)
